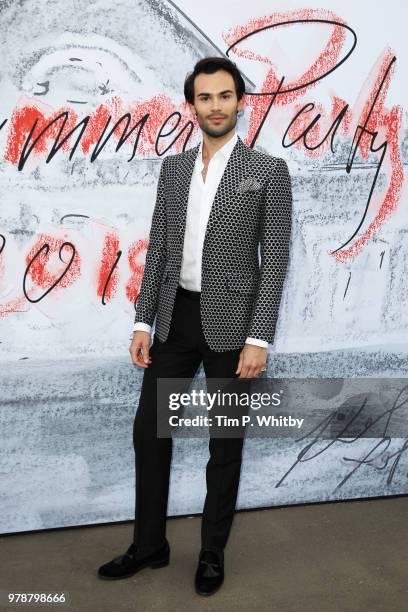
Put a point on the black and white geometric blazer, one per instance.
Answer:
(240, 296)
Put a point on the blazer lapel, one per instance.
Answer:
(183, 180)
(236, 170)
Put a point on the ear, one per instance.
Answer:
(241, 103)
(192, 109)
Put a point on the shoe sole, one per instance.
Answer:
(155, 565)
(205, 594)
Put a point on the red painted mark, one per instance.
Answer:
(327, 59)
(19, 304)
(21, 123)
(388, 123)
(157, 108)
(315, 135)
(337, 105)
(109, 257)
(133, 284)
(47, 266)
(319, 136)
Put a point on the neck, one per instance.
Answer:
(211, 145)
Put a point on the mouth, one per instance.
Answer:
(217, 119)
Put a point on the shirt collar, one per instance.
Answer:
(225, 150)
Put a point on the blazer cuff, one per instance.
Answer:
(257, 342)
(142, 327)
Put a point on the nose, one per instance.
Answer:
(215, 107)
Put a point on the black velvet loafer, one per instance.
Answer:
(210, 572)
(127, 565)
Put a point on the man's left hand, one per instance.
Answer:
(252, 361)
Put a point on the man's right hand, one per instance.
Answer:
(139, 349)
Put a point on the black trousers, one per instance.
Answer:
(180, 357)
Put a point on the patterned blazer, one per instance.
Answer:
(240, 296)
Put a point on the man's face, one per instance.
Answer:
(215, 103)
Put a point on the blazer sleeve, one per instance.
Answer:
(275, 231)
(146, 305)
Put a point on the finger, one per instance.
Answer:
(244, 371)
(139, 362)
(238, 370)
(138, 357)
(251, 372)
(262, 368)
(145, 349)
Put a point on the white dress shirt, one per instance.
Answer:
(200, 201)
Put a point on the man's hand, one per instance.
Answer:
(139, 349)
(252, 361)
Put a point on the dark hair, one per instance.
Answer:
(209, 65)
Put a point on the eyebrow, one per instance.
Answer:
(204, 93)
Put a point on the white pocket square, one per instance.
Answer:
(248, 184)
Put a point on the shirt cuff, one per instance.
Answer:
(142, 327)
(257, 342)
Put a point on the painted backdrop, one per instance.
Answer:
(91, 100)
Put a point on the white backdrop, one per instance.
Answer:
(75, 217)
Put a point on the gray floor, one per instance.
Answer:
(341, 556)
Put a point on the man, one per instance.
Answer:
(216, 203)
